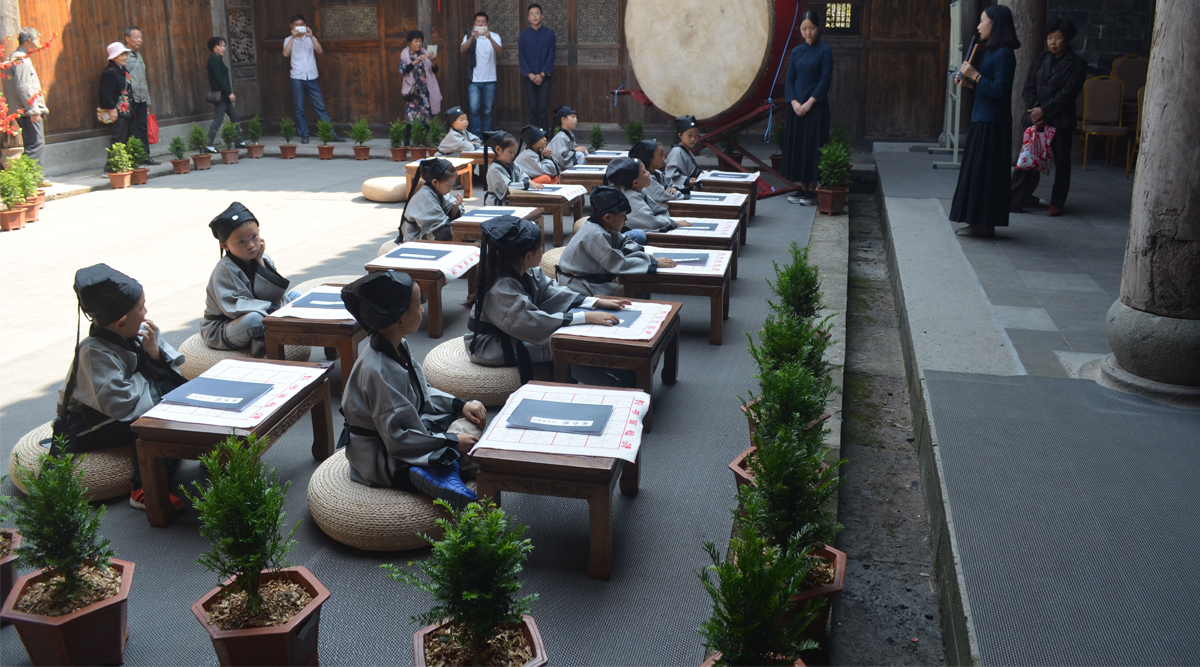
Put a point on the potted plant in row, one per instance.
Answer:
(416, 140)
(254, 132)
(397, 135)
(13, 197)
(756, 619)
(287, 130)
(137, 157)
(229, 137)
(634, 132)
(181, 164)
(472, 574)
(596, 138)
(360, 132)
(10, 541)
(120, 167)
(833, 177)
(27, 174)
(197, 143)
(262, 613)
(327, 134)
(71, 610)
(434, 137)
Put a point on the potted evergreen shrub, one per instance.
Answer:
(360, 133)
(397, 134)
(416, 140)
(797, 285)
(287, 130)
(71, 609)
(727, 142)
(756, 619)
(433, 136)
(327, 134)
(137, 157)
(229, 137)
(833, 174)
(473, 575)
(634, 132)
(120, 167)
(13, 197)
(27, 173)
(10, 541)
(596, 138)
(254, 132)
(197, 142)
(262, 613)
(181, 164)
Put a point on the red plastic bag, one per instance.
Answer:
(152, 129)
(1035, 150)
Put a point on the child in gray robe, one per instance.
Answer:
(504, 174)
(430, 209)
(121, 370)
(458, 138)
(535, 159)
(563, 149)
(645, 214)
(654, 155)
(682, 170)
(244, 286)
(517, 308)
(598, 253)
(400, 432)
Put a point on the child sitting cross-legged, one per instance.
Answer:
(517, 308)
(535, 159)
(121, 370)
(402, 432)
(598, 253)
(645, 214)
(430, 209)
(244, 286)
(458, 138)
(565, 151)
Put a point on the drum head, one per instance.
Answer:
(699, 58)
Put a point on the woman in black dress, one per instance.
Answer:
(981, 199)
(810, 70)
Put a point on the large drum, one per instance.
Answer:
(709, 58)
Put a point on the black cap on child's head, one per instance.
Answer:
(453, 113)
(105, 295)
(511, 234)
(622, 172)
(230, 219)
(531, 135)
(684, 123)
(562, 112)
(607, 199)
(379, 300)
(644, 151)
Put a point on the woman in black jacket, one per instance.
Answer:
(218, 81)
(1055, 80)
(114, 92)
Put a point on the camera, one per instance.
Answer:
(301, 29)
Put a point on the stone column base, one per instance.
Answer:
(1108, 373)
(1160, 349)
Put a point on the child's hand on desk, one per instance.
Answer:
(665, 262)
(535, 186)
(606, 319)
(692, 183)
(582, 149)
(682, 223)
(475, 413)
(148, 335)
(465, 442)
(613, 304)
(672, 191)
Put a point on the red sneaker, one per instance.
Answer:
(137, 500)
(1054, 211)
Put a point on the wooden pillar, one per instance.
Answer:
(1154, 328)
(10, 24)
(425, 18)
(1030, 19)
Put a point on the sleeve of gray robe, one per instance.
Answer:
(646, 214)
(229, 292)
(107, 380)
(501, 179)
(562, 149)
(535, 165)
(509, 308)
(456, 142)
(681, 167)
(595, 251)
(427, 214)
(657, 190)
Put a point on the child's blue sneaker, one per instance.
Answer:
(443, 482)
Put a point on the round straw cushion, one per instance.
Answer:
(386, 189)
(579, 224)
(448, 368)
(550, 260)
(199, 357)
(107, 473)
(387, 247)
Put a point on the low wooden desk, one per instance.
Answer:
(476, 157)
(432, 281)
(345, 335)
(462, 165)
(590, 478)
(681, 239)
(747, 187)
(639, 356)
(552, 203)
(467, 231)
(715, 287)
(686, 208)
(588, 178)
(160, 439)
(603, 157)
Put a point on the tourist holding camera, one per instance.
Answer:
(482, 47)
(302, 47)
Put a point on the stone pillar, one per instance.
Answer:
(1154, 328)
(10, 24)
(1030, 19)
(425, 19)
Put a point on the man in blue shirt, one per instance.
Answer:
(535, 49)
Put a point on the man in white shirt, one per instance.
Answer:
(482, 47)
(303, 48)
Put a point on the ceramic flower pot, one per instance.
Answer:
(12, 219)
(31, 210)
(94, 635)
(400, 154)
(287, 151)
(418, 152)
(293, 643)
(41, 198)
(140, 176)
(183, 166)
(831, 201)
(712, 661)
(202, 162)
(528, 627)
(777, 161)
(229, 157)
(254, 151)
(120, 179)
(362, 152)
(7, 564)
(325, 152)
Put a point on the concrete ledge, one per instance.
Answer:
(829, 241)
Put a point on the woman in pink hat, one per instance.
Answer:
(114, 93)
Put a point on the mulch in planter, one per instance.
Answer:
(507, 649)
(281, 600)
(821, 574)
(43, 599)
